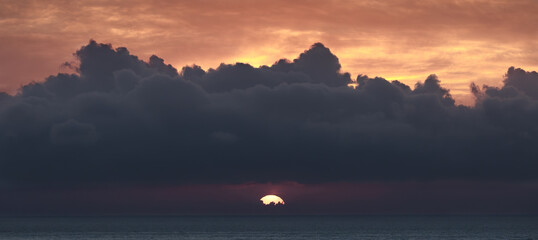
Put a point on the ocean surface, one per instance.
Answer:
(272, 227)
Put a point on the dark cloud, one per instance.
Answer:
(317, 65)
(121, 119)
(73, 132)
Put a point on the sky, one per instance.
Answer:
(462, 41)
(172, 108)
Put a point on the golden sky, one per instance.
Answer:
(462, 41)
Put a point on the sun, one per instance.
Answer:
(274, 199)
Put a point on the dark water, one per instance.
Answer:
(318, 227)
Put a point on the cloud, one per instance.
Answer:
(73, 132)
(317, 65)
(394, 39)
(120, 119)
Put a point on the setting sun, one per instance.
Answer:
(268, 199)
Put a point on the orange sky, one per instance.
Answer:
(462, 41)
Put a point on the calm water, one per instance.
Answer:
(364, 227)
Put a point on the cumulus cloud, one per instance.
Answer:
(121, 119)
(73, 132)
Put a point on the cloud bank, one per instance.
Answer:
(121, 119)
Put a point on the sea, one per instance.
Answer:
(271, 227)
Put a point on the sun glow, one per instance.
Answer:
(353, 85)
(268, 199)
